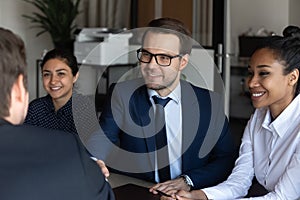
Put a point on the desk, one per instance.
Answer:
(129, 188)
(134, 192)
(116, 180)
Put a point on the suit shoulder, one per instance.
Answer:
(203, 91)
(40, 132)
(207, 98)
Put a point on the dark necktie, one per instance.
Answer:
(161, 139)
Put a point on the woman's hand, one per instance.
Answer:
(195, 195)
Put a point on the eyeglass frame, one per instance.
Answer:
(154, 55)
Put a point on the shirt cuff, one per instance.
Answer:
(93, 158)
(188, 180)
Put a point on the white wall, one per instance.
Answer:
(245, 14)
(11, 18)
(294, 14)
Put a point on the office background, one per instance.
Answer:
(272, 15)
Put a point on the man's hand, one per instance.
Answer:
(170, 187)
(103, 168)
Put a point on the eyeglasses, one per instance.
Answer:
(163, 60)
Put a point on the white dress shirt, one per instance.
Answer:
(173, 120)
(271, 152)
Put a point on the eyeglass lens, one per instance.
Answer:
(161, 59)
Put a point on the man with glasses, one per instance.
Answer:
(129, 118)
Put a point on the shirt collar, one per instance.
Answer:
(280, 124)
(175, 95)
(64, 109)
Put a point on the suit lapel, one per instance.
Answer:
(190, 118)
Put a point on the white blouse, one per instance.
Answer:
(271, 152)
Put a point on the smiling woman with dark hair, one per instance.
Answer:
(54, 111)
(270, 149)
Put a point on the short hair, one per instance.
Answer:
(12, 64)
(65, 56)
(172, 26)
(286, 50)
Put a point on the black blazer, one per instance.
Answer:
(208, 148)
(42, 164)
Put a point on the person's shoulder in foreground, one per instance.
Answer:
(38, 163)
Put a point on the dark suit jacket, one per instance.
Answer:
(37, 164)
(208, 149)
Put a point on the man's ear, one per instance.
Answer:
(18, 102)
(18, 90)
(184, 61)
